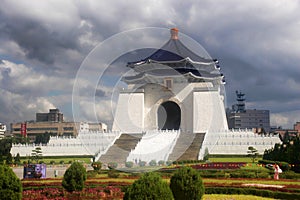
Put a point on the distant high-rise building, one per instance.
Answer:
(53, 116)
(241, 118)
(55, 128)
(297, 127)
(2, 130)
(54, 124)
(240, 98)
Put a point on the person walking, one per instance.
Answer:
(277, 170)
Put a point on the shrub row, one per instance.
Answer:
(180, 162)
(283, 165)
(289, 175)
(241, 173)
(252, 191)
(249, 174)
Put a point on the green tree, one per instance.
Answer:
(253, 153)
(20, 139)
(285, 138)
(186, 183)
(1, 159)
(9, 159)
(152, 163)
(149, 186)
(5, 146)
(129, 164)
(37, 154)
(112, 165)
(97, 166)
(42, 138)
(74, 177)
(161, 162)
(10, 184)
(17, 159)
(206, 154)
(288, 152)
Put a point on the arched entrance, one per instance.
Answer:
(168, 116)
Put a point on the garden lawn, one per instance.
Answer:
(65, 160)
(232, 197)
(231, 159)
(224, 181)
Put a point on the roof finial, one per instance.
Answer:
(174, 33)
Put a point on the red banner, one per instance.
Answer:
(23, 129)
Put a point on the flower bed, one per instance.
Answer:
(109, 192)
(220, 165)
(210, 166)
(101, 188)
(105, 188)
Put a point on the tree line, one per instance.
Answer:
(287, 151)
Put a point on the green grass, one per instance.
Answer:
(231, 159)
(254, 166)
(65, 159)
(138, 169)
(259, 181)
(231, 197)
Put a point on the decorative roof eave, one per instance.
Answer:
(189, 75)
(219, 78)
(182, 64)
(184, 60)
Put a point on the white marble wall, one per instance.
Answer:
(129, 116)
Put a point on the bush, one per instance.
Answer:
(74, 177)
(142, 163)
(112, 165)
(61, 162)
(112, 173)
(243, 174)
(152, 163)
(169, 163)
(186, 183)
(149, 186)
(91, 174)
(52, 162)
(10, 184)
(263, 175)
(161, 162)
(283, 165)
(289, 175)
(97, 166)
(213, 174)
(129, 164)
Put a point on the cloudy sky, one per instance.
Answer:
(44, 43)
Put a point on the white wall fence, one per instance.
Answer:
(154, 145)
(237, 142)
(86, 143)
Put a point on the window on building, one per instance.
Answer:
(168, 83)
(68, 128)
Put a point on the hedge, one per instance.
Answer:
(252, 191)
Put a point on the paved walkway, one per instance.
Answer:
(262, 185)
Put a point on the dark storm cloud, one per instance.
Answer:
(37, 41)
(100, 93)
